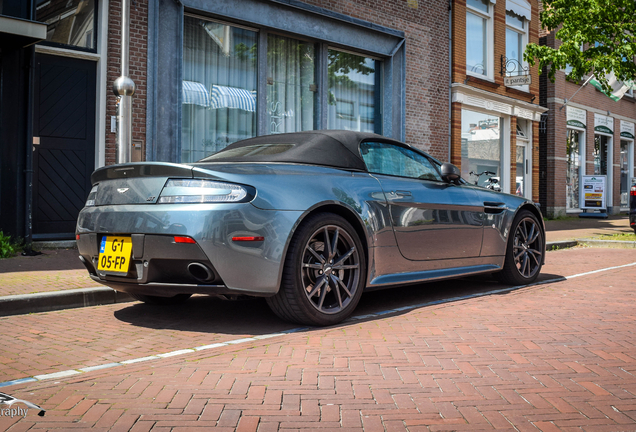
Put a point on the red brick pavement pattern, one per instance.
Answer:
(54, 270)
(45, 281)
(50, 342)
(560, 356)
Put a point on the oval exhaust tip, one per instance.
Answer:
(201, 272)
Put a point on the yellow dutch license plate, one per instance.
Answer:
(114, 254)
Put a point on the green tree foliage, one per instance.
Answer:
(605, 29)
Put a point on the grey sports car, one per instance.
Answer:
(308, 220)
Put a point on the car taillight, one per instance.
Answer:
(183, 239)
(178, 191)
(632, 191)
(90, 201)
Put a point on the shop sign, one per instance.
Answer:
(593, 192)
(604, 124)
(576, 117)
(519, 80)
(627, 129)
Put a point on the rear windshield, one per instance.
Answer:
(247, 151)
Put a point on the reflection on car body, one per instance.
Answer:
(308, 220)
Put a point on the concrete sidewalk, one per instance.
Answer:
(58, 280)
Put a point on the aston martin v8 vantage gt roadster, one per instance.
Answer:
(308, 220)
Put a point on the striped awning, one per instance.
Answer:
(195, 93)
(232, 97)
(520, 7)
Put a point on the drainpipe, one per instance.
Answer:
(450, 77)
(124, 89)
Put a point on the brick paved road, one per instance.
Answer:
(559, 356)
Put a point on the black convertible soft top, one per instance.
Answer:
(334, 148)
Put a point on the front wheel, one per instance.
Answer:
(524, 252)
(324, 273)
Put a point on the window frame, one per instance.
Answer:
(525, 138)
(524, 32)
(96, 30)
(489, 48)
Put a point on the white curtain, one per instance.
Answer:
(290, 77)
(223, 59)
(351, 94)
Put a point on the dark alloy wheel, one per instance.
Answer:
(161, 301)
(524, 254)
(324, 273)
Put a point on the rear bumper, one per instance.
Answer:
(160, 266)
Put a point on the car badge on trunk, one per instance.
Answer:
(122, 190)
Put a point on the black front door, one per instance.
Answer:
(64, 125)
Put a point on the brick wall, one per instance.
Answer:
(137, 70)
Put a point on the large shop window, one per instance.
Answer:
(290, 83)
(482, 146)
(70, 23)
(219, 87)
(352, 92)
(573, 169)
(478, 29)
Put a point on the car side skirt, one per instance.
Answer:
(481, 265)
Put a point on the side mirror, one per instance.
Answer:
(450, 172)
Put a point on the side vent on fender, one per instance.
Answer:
(491, 207)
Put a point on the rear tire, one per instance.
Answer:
(161, 301)
(324, 273)
(524, 252)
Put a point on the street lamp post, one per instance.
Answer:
(124, 89)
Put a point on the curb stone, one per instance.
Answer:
(58, 300)
(617, 244)
(563, 244)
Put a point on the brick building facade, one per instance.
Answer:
(495, 126)
(591, 135)
(405, 42)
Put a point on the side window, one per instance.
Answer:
(390, 159)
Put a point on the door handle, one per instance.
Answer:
(402, 193)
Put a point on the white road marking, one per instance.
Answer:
(599, 271)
